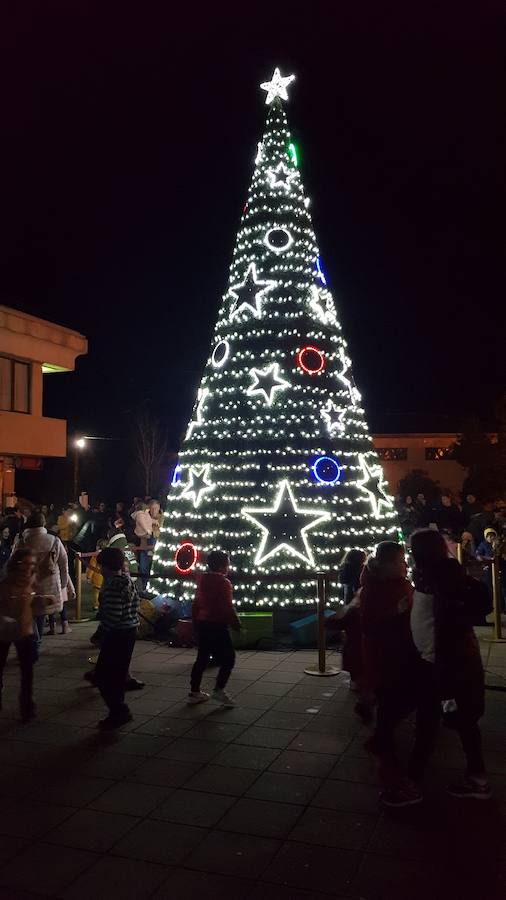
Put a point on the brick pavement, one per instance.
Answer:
(274, 800)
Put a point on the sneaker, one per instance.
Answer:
(133, 684)
(65, 628)
(222, 697)
(470, 790)
(112, 722)
(408, 795)
(195, 697)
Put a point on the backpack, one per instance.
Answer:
(47, 565)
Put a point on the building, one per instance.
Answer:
(30, 348)
(401, 453)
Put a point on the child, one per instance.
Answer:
(445, 604)
(94, 575)
(213, 614)
(119, 605)
(18, 607)
(392, 672)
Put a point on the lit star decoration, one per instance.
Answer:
(280, 177)
(267, 382)
(285, 526)
(327, 315)
(199, 484)
(277, 86)
(373, 485)
(248, 296)
(333, 416)
(355, 395)
(202, 396)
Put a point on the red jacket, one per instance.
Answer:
(213, 600)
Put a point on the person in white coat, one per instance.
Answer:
(52, 572)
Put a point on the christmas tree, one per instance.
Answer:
(277, 466)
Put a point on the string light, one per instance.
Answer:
(277, 416)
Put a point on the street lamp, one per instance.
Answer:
(79, 444)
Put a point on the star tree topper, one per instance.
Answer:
(248, 296)
(277, 86)
(285, 526)
(373, 485)
(267, 382)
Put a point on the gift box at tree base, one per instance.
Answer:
(277, 467)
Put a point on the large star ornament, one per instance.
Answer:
(373, 484)
(267, 382)
(285, 526)
(277, 86)
(281, 177)
(199, 484)
(333, 416)
(248, 296)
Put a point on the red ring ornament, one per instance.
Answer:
(305, 368)
(183, 570)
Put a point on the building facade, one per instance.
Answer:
(29, 349)
(401, 453)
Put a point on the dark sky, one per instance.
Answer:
(128, 134)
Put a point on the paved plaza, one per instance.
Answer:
(273, 800)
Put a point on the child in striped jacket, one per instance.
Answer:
(119, 606)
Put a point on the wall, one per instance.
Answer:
(446, 472)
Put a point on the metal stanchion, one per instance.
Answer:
(322, 669)
(78, 568)
(496, 598)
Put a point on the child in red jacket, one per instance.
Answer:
(213, 614)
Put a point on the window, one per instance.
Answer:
(14, 385)
(392, 454)
(436, 453)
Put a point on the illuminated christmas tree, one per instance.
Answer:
(277, 466)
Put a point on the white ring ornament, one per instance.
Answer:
(220, 362)
(285, 246)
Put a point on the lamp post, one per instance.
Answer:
(79, 444)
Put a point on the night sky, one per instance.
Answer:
(128, 138)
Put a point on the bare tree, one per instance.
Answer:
(150, 444)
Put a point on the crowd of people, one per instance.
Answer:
(479, 528)
(410, 644)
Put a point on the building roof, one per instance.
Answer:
(54, 346)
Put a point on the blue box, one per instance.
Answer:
(304, 631)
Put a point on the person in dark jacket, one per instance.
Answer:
(408, 516)
(350, 571)
(395, 673)
(5, 546)
(448, 516)
(213, 614)
(119, 607)
(445, 604)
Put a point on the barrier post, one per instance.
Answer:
(495, 573)
(496, 596)
(78, 568)
(322, 668)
